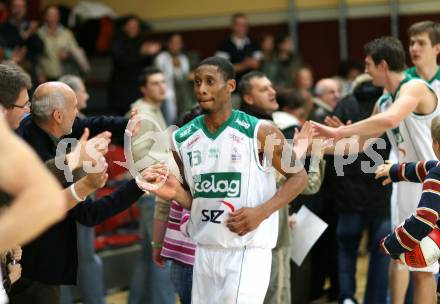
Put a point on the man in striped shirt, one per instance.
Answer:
(408, 235)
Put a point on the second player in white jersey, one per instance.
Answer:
(224, 174)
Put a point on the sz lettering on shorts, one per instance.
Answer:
(211, 215)
(217, 185)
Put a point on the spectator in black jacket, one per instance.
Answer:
(130, 55)
(239, 49)
(51, 260)
(362, 203)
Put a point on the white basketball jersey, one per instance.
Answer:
(224, 174)
(411, 142)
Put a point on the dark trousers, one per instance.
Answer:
(32, 292)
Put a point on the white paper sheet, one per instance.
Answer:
(305, 233)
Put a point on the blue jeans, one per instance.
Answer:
(349, 233)
(90, 273)
(150, 283)
(181, 276)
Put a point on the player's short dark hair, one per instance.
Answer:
(13, 79)
(389, 49)
(430, 27)
(146, 73)
(222, 64)
(244, 87)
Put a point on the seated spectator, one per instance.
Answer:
(61, 54)
(19, 39)
(347, 73)
(268, 63)
(303, 82)
(175, 65)
(327, 96)
(288, 61)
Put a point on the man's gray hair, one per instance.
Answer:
(320, 89)
(73, 81)
(43, 106)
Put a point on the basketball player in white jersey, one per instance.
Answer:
(405, 113)
(424, 47)
(229, 170)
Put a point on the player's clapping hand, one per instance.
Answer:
(158, 180)
(384, 171)
(302, 140)
(320, 130)
(245, 220)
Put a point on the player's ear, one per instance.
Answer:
(437, 48)
(231, 85)
(383, 65)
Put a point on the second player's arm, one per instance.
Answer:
(245, 220)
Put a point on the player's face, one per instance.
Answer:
(156, 88)
(263, 95)
(22, 106)
(422, 51)
(374, 71)
(211, 89)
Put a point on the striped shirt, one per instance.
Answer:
(177, 245)
(409, 234)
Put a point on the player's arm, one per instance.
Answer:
(245, 220)
(350, 145)
(405, 104)
(165, 184)
(419, 225)
(38, 202)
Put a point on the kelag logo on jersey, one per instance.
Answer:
(217, 185)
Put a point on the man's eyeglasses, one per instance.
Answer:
(27, 105)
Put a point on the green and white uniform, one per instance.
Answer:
(411, 141)
(224, 174)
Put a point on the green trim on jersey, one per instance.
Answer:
(404, 80)
(384, 98)
(238, 120)
(187, 130)
(245, 123)
(413, 73)
(219, 130)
